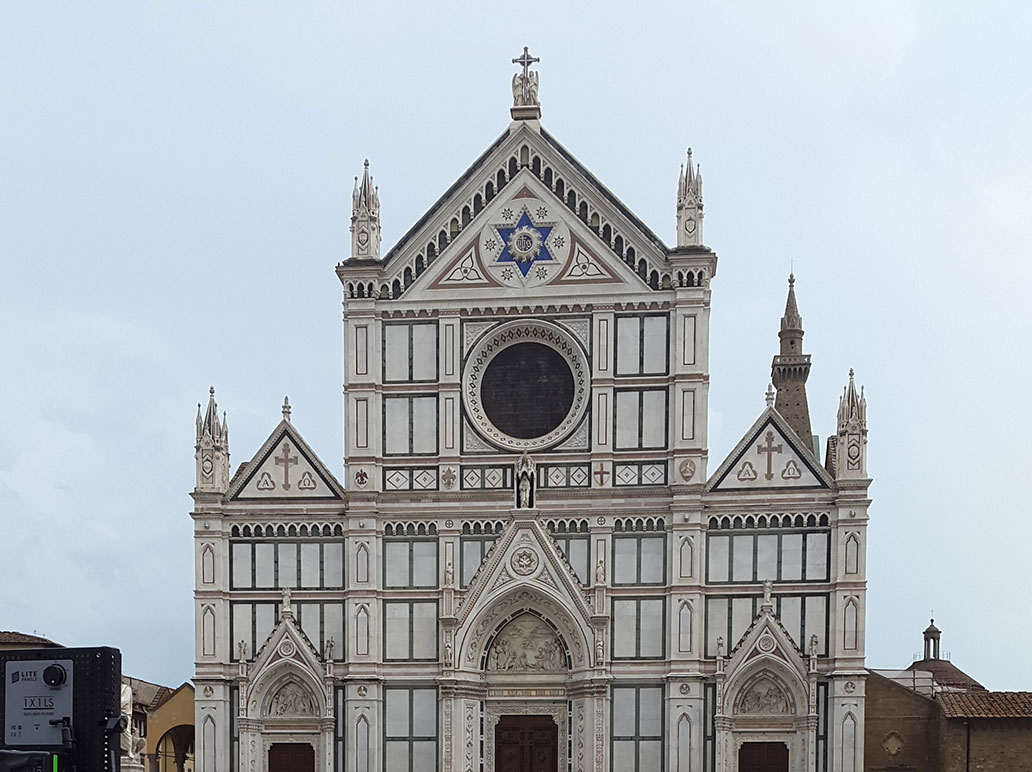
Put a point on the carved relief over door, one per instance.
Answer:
(527, 644)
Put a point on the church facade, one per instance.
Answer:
(529, 562)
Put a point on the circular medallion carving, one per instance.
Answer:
(524, 561)
(525, 385)
(766, 644)
(687, 469)
(362, 691)
(685, 689)
(850, 687)
(286, 649)
(208, 691)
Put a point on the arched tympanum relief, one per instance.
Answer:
(477, 640)
(292, 699)
(527, 644)
(764, 696)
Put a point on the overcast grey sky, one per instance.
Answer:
(175, 184)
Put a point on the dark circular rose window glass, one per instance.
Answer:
(527, 390)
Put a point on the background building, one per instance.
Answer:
(934, 717)
(529, 559)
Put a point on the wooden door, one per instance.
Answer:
(526, 744)
(763, 757)
(291, 757)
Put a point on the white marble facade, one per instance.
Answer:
(527, 523)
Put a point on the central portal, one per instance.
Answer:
(291, 757)
(526, 744)
(763, 757)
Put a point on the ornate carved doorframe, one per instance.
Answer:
(495, 710)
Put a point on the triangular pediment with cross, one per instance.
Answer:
(549, 227)
(769, 456)
(284, 468)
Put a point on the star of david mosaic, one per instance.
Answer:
(524, 244)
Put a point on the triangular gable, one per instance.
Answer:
(285, 468)
(766, 636)
(523, 571)
(770, 456)
(767, 649)
(524, 553)
(465, 205)
(558, 251)
(286, 642)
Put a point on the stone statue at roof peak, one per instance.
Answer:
(525, 104)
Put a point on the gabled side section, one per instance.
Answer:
(284, 468)
(769, 456)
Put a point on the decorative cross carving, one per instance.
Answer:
(287, 461)
(601, 474)
(770, 449)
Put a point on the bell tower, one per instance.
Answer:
(790, 369)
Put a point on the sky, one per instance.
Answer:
(175, 183)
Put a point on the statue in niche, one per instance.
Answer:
(525, 482)
(527, 645)
(292, 700)
(764, 697)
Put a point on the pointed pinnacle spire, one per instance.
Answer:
(689, 204)
(209, 426)
(365, 216)
(852, 406)
(791, 320)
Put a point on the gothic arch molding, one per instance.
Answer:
(515, 618)
(483, 626)
(781, 674)
(766, 692)
(270, 683)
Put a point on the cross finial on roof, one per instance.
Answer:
(286, 409)
(525, 105)
(770, 395)
(526, 60)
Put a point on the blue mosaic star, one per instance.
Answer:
(524, 244)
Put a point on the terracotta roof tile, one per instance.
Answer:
(10, 637)
(986, 704)
(947, 674)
